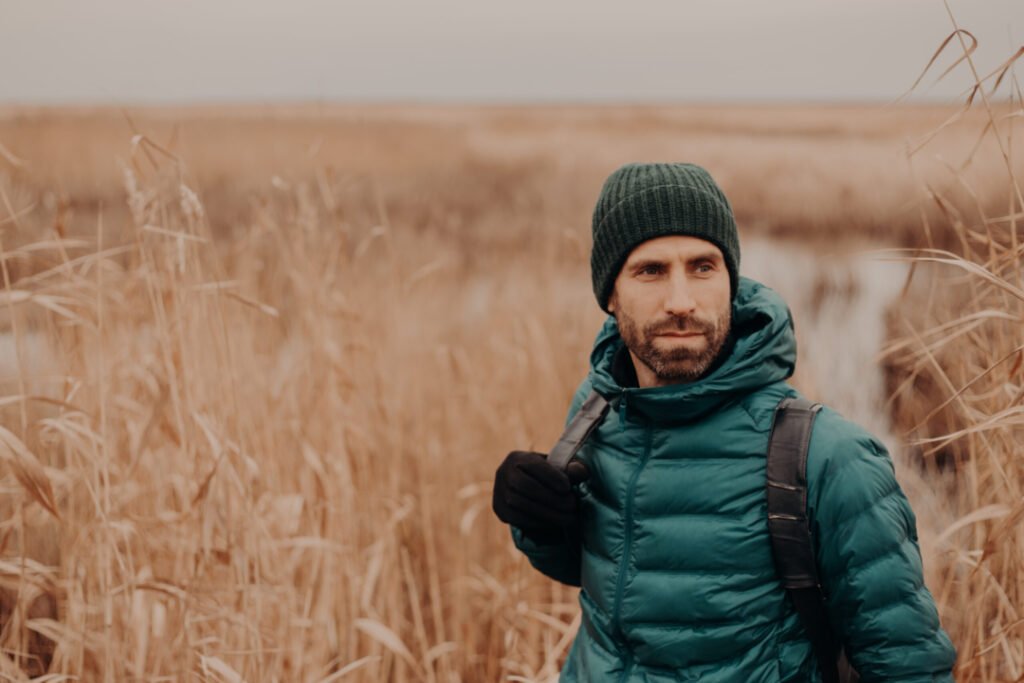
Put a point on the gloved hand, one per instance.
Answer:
(534, 495)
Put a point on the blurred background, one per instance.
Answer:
(283, 283)
(119, 51)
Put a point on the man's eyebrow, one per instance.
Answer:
(643, 263)
(703, 256)
(706, 256)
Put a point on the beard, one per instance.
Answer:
(678, 363)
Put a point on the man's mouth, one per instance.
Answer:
(680, 334)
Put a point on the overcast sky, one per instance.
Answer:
(163, 51)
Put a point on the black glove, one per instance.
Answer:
(534, 495)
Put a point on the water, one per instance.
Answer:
(839, 301)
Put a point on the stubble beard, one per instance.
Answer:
(680, 363)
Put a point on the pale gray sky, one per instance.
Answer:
(164, 51)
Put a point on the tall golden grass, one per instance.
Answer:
(955, 365)
(263, 459)
(263, 371)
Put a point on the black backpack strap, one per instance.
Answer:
(586, 419)
(792, 545)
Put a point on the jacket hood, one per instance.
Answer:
(761, 351)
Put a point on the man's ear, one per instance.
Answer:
(611, 302)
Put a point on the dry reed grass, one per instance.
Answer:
(955, 367)
(265, 457)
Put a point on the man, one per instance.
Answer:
(661, 518)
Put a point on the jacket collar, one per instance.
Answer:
(761, 350)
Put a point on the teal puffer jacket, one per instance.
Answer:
(674, 558)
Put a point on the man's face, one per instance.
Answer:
(673, 307)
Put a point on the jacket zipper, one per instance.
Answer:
(628, 669)
(627, 547)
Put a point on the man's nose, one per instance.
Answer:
(680, 299)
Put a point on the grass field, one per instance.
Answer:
(259, 366)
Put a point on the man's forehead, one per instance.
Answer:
(674, 247)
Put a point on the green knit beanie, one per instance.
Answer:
(641, 201)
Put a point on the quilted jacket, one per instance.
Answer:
(673, 555)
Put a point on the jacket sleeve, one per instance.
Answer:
(556, 557)
(871, 568)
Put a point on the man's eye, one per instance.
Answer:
(650, 270)
(705, 268)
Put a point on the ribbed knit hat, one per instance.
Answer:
(641, 201)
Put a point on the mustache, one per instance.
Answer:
(683, 325)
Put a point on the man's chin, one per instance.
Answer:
(677, 370)
(689, 345)
(688, 371)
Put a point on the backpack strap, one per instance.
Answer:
(792, 544)
(586, 419)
